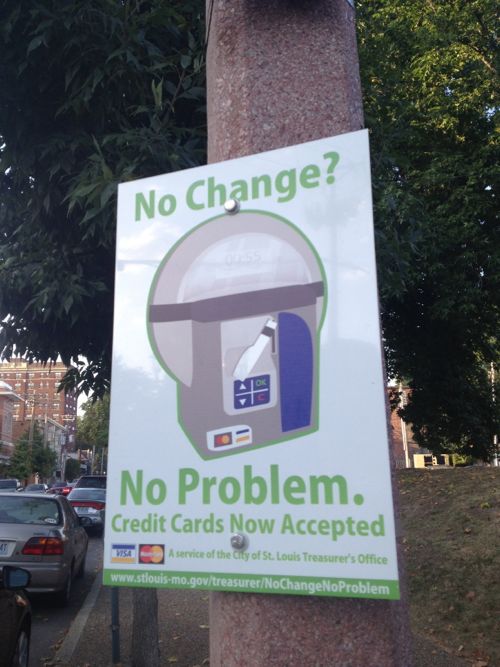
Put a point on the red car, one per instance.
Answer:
(60, 488)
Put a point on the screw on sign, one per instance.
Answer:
(151, 553)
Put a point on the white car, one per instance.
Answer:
(43, 535)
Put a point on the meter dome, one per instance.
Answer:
(251, 253)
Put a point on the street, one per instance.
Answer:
(50, 622)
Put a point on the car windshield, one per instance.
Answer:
(91, 483)
(22, 509)
(34, 487)
(8, 484)
(87, 494)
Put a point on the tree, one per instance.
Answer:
(94, 92)
(430, 80)
(72, 469)
(93, 428)
(32, 457)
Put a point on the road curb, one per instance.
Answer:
(65, 653)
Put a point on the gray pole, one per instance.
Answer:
(494, 457)
(281, 73)
(115, 625)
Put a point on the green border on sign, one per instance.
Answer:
(379, 589)
(159, 359)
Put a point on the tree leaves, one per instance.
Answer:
(103, 98)
(429, 80)
(93, 426)
(30, 458)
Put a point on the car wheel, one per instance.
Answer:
(63, 596)
(22, 652)
(81, 570)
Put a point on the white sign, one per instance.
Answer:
(248, 438)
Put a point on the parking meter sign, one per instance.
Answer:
(242, 344)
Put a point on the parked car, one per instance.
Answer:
(15, 617)
(9, 485)
(36, 488)
(91, 482)
(44, 535)
(90, 503)
(62, 488)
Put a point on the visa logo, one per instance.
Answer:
(123, 553)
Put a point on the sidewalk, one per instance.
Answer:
(183, 630)
(183, 633)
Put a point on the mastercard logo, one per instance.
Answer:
(151, 553)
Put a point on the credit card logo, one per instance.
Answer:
(230, 437)
(153, 554)
(223, 439)
(123, 553)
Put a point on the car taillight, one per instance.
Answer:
(43, 546)
(66, 490)
(88, 503)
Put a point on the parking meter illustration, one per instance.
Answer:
(234, 315)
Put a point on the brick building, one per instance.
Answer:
(404, 446)
(8, 399)
(36, 385)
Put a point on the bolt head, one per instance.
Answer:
(232, 206)
(239, 541)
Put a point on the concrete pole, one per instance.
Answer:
(282, 72)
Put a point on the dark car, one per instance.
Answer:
(36, 488)
(15, 617)
(91, 482)
(9, 485)
(90, 503)
(44, 535)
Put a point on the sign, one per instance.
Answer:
(248, 435)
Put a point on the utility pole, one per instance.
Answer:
(30, 440)
(279, 74)
(404, 434)
(494, 459)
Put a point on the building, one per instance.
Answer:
(404, 447)
(37, 385)
(8, 400)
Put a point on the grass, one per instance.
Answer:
(451, 541)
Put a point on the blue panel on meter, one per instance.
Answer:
(296, 371)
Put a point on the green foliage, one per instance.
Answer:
(92, 429)
(461, 460)
(72, 469)
(94, 92)
(36, 458)
(429, 74)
